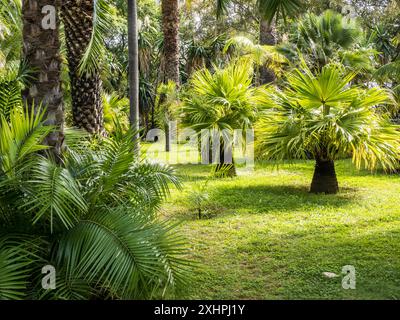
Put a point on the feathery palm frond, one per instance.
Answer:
(122, 251)
(102, 23)
(14, 271)
(53, 195)
(20, 138)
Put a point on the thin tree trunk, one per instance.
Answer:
(170, 26)
(325, 180)
(134, 72)
(42, 55)
(267, 37)
(226, 166)
(87, 109)
(167, 138)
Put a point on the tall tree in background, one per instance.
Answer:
(41, 51)
(78, 17)
(269, 11)
(134, 70)
(170, 26)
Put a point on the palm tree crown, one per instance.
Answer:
(324, 117)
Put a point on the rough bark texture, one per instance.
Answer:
(170, 24)
(87, 109)
(41, 51)
(325, 180)
(267, 37)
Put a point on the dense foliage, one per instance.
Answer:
(92, 217)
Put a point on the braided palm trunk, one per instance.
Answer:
(87, 109)
(42, 54)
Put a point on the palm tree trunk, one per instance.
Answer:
(325, 180)
(226, 167)
(267, 37)
(42, 55)
(134, 72)
(170, 26)
(87, 109)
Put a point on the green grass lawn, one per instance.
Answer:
(267, 238)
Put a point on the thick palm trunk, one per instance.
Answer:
(267, 37)
(42, 55)
(325, 180)
(170, 26)
(87, 110)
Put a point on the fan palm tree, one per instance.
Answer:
(42, 55)
(78, 17)
(222, 102)
(324, 118)
(327, 38)
(91, 217)
(269, 11)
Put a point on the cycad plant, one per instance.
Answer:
(222, 102)
(323, 117)
(92, 218)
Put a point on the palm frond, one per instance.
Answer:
(53, 195)
(118, 249)
(102, 23)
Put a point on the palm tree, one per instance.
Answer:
(78, 17)
(324, 118)
(269, 11)
(134, 71)
(92, 218)
(166, 105)
(326, 38)
(42, 55)
(170, 26)
(222, 102)
(170, 49)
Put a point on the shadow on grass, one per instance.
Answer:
(263, 199)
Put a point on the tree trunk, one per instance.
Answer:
(267, 37)
(170, 26)
(324, 180)
(87, 109)
(167, 138)
(226, 166)
(42, 54)
(134, 72)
